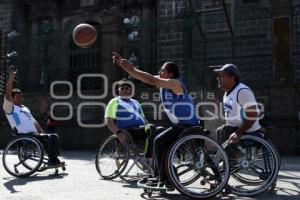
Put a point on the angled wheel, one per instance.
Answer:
(257, 170)
(112, 158)
(197, 166)
(22, 156)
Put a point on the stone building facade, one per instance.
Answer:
(259, 36)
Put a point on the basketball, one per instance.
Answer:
(84, 35)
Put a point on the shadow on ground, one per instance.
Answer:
(13, 182)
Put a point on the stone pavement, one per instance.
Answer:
(83, 183)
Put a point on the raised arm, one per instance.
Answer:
(9, 84)
(145, 77)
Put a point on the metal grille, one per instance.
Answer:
(87, 60)
(43, 60)
(250, 48)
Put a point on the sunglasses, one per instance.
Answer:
(125, 87)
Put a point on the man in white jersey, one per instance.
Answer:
(240, 108)
(20, 119)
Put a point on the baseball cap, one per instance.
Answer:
(125, 82)
(230, 69)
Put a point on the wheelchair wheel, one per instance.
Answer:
(257, 170)
(197, 166)
(112, 158)
(23, 156)
(185, 153)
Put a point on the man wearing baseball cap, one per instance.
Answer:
(240, 109)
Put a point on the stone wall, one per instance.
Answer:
(250, 49)
(171, 43)
(6, 10)
(177, 38)
(296, 39)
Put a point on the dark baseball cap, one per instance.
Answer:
(230, 69)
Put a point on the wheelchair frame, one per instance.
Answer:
(129, 151)
(201, 158)
(29, 154)
(265, 163)
(198, 163)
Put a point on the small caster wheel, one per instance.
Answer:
(56, 171)
(63, 168)
(149, 194)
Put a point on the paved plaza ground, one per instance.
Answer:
(82, 182)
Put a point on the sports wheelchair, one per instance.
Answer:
(24, 155)
(196, 166)
(112, 157)
(256, 168)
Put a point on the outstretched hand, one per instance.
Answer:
(116, 58)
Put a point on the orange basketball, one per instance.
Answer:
(84, 35)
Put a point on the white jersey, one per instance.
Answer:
(19, 117)
(235, 102)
